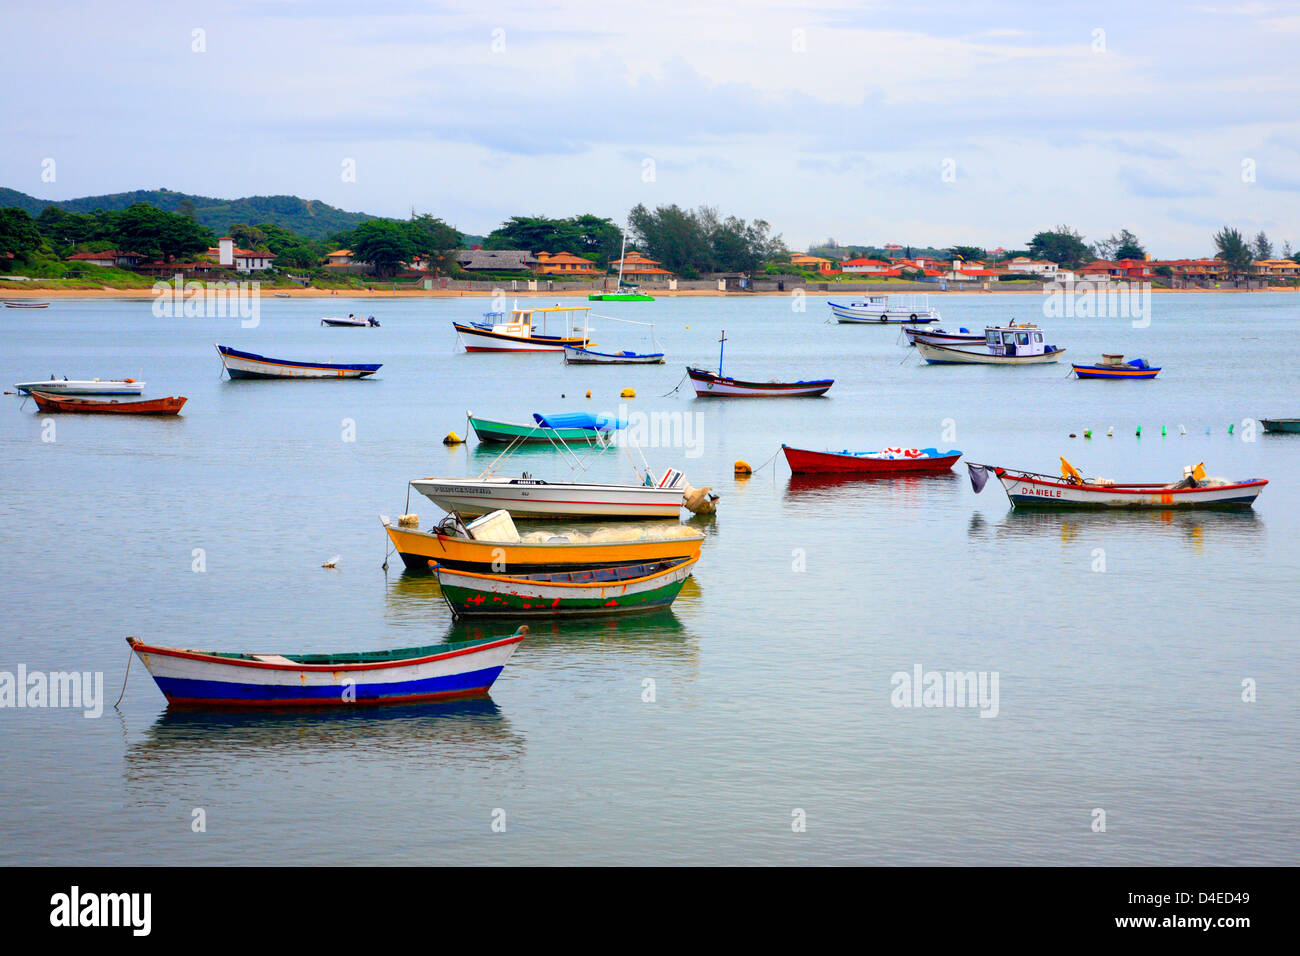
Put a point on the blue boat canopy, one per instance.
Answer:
(601, 422)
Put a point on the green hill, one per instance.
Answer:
(306, 217)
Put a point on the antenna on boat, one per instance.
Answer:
(722, 344)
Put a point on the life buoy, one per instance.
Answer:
(885, 317)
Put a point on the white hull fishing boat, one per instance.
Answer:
(94, 386)
(885, 309)
(241, 365)
(1027, 489)
(1003, 345)
(516, 332)
(534, 498)
(575, 355)
(959, 338)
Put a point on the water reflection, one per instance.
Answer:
(1194, 528)
(181, 742)
(659, 631)
(834, 489)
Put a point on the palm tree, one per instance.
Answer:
(1234, 250)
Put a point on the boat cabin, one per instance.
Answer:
(520, 321)
(1016, 340)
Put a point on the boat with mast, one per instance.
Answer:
(627, 291)
(710, 385)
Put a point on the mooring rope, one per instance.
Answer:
(130, 654)
(677, 386)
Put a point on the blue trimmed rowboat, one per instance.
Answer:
(433, 672)
(251, 365)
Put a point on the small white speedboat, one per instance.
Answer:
(351, 322)
(94, 386)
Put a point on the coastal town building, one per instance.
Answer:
(496, 260)
(816, 264)
(230, 256)
(1041, 267)
(1277, 268)
(867, 266)
(639, 268)
(109, 258)
(565, 263)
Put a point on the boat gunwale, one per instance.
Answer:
(1128, 488)
(508, 579)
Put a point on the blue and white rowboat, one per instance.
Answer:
(434, 672)
(251, 365)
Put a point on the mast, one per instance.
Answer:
(622, 254)
(722, 344)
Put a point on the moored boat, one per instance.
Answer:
(710, 384)
(171, 405)
(599, 591)
(352, 321)
(94, 386)
(493, 545)
(23, 304)
(580, 427)
(885, 310)
(537, 498)
(1281, 425)
(1003, 345)
(1114, 366)
(220, 679)
(577, 355)
(516, 332)
(1027, 489)
(888, 461)
(251, 365)
(940, 337)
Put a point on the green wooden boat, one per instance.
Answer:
(1288, 425)
(614, 590)
(506, 432)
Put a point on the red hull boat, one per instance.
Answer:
(902, 462)
(171, 405)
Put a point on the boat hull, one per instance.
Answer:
(620, 297)
(709, 385)
(470, 594)
(805, 462)
(206, 679)
(1113, 371)
(1027, 491)
(170, 405)
(947, 355)
(506, 432)
(576, 355)
(92, 388)
(477, 339)
(851, 315)
(421, 550)
(1288, 426)
(550, 500)
(941, 338)
(246, 365)
(345, 323)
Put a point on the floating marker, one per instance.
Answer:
(1139, 431)
(742, 468)
(1110, 432)
(453, 439)
(1229, 429)
(627, 393)
(1182, 429)
(1087, 433)
(1162, 431)
(589, 393)
(1072, 435)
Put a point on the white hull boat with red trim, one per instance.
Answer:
(518, 332)
(1027, 489)
(959, 338)
(534, 498)
(94, 386)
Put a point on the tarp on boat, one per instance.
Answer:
(595, 422)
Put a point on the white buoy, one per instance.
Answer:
(1182, 429)
(1110, 432)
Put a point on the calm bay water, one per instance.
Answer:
(1119, 688)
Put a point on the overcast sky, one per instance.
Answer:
(830, 119)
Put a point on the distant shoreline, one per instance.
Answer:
(16, 292)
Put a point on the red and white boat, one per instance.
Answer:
(887, 461)
(1027, 489)
(171, 405)
(517, 333)
(940, 337)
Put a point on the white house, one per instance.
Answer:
(1032, 266)
(241, 260)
